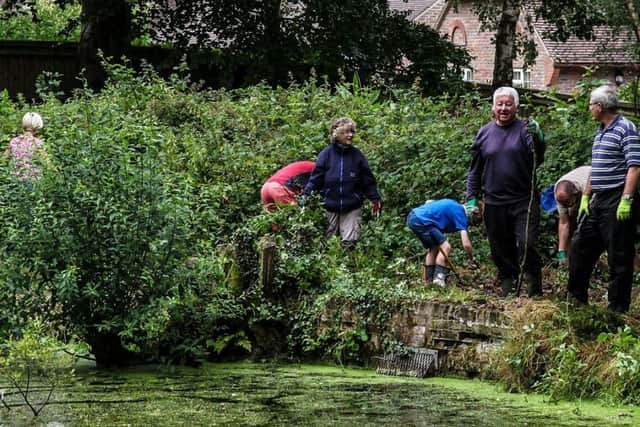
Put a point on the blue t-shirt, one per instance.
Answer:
(446, 214)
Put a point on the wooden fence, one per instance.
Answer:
(21, 62)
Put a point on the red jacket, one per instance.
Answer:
(294, 176)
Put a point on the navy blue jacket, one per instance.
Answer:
(343, 176)
(502, 160)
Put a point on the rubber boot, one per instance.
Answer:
(427, 274)
(534, 285)
(507, 287)
(348, 245)
(440, 276)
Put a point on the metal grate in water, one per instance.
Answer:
(412, 362)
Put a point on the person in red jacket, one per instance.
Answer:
(287, 183)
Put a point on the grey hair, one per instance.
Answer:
(338, 123)
(605, 96)
(32, 122)
(506, 91)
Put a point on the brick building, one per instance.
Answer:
(558, 65)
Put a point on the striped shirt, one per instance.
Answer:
(615, 149)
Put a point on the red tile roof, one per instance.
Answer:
(607, 48)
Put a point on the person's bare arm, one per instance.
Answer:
(631, 181)
(564, 226)
(466, 243)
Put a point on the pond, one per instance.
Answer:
(267, 394)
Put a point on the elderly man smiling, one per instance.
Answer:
(505, 155)
(609, 205)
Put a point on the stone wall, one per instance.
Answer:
(464, 336)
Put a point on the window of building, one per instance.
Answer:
(467, 74)
(457, 37)
(521, 77)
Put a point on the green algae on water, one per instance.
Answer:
(269, 394)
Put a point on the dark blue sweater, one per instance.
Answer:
(343, 176)
(502, 159)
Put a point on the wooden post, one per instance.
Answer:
(267, 263)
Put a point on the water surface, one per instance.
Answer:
(265, 395)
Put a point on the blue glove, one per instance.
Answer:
(302, 200)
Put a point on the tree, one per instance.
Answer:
(276, 39)
(568, 18)
(505, 43)
(106, 27)
(273, 40)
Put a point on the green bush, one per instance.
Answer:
(571, 354)
(50, 24)
(33, 366)
(142, 235)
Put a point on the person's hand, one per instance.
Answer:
(471, 207)
(302, 200)
(377, 208)
(561, 256)
(584, 205)
(623, 212)
(534, 129)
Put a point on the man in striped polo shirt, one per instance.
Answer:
(608, 206)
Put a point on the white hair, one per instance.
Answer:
(32, 122)
(606, 96)
(506, 91)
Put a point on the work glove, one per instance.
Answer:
(471, 207)
(561, 256)
(534, 130)
(302, 200)
(623, 212)
(377, 208)
(584, 206)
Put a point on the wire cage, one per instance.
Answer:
(410, 362)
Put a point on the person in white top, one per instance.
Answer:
(568, 191)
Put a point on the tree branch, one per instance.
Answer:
(633, 13)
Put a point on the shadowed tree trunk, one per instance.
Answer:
(635, 20)
(106, 26)
(273, 42)
(505, 44)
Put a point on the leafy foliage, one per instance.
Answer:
(42, 20)
(142, 236)
(279, 41)
(34, 365)
(581, 353)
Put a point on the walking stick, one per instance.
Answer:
(451, 266)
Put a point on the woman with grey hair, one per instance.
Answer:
(344, 178)
(505, 155)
